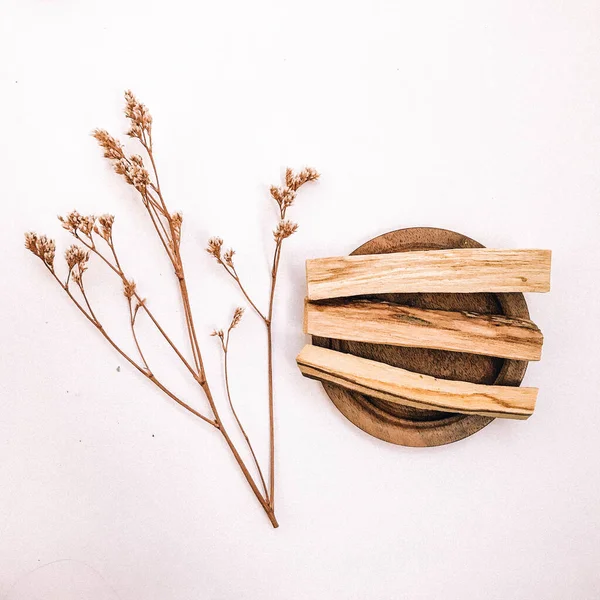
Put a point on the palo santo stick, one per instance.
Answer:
(387, 323)
(413, 389)
(455, 271)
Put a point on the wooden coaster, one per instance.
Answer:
(410, 426)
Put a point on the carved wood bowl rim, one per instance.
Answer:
(421, 428)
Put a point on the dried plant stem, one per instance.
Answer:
(243, 431)
(263, 502)
(179, 272)
(269, 324)
(284, 198)
(190, 326)
(236, 278)
(132, 316)
(92, 318)
(175, 257)
(85, 298)
(116, 268)
(267, 320)
(216, 422)
(168, 229)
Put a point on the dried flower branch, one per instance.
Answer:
(42, 247)
(75, 222)
(77, 259)
(284, 196)
(104, 227)
(95, 234)
(284, 230)
(224, 339)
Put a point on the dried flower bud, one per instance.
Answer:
(289, 178)
(276, 193)
(176, 222)
(77, 275)
(77, 259)
(75, 255)
(140, 178)
(214, 247)
(75, 222)
(284, 230)
(237, 317)
(218, 333)
(104, 226)
(129, 288)
(133, 173)
(138, 114)
(122, 168)
(283, 196)
(294, 181)
(112, 147)
(42, 246)
(228, 257)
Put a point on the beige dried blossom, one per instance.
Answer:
(113, 150)
(139, 115)
(284, 230)
(215, 244)
(42, 246)
(218, 333)
(132, 169)
(133, 173)
(237, 317)
(74, 222)
(228, 257)
(77, 275)
(129, 288)
(104, 226)
(284, 196)
(121, 167)
(294, 181)
(140, 178)
(176, 222)
(77, 259)
(75, 255)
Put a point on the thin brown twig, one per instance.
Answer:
(116, 268)
(225, 346)
(284, 197)
(134, 335)
(175, 257)
(154, 380)
(157, 228)
(179, 272)
(233, 274)
(215, 423)
(270, 376)
(85, 298)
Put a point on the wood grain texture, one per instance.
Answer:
(414, 389)
(381, 322)
(442, 271)
(405, 425)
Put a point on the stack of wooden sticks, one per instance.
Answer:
(336, 308)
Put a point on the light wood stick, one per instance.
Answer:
(455, 271)
(413, 389)
(395, 325)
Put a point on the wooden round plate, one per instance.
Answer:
(411, 426)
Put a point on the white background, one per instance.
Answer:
(478, 116)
